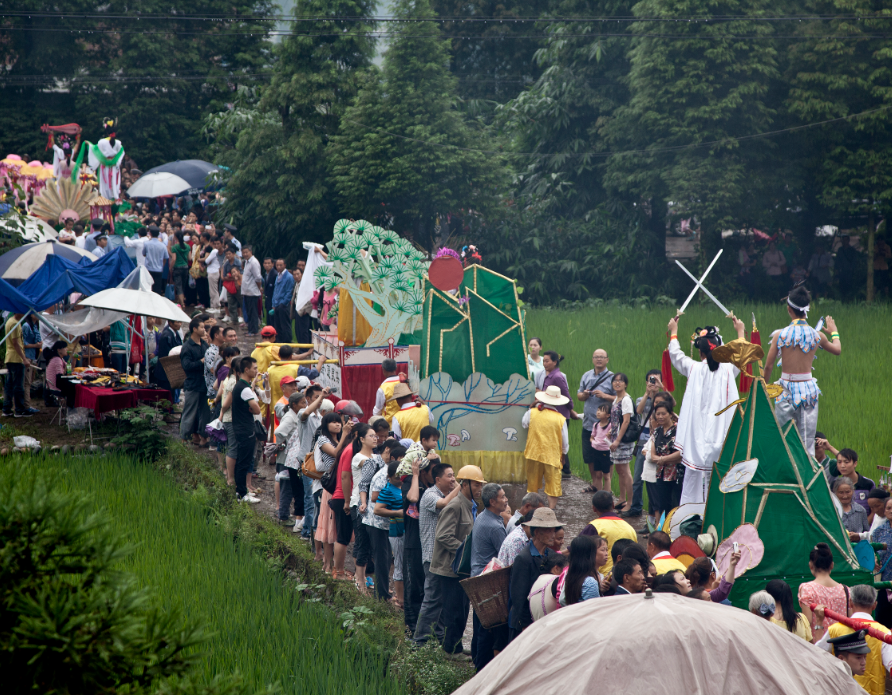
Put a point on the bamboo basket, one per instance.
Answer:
(173, 368)
(489, 596)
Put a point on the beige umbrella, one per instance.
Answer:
(667, 644)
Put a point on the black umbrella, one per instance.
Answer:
(198, 173)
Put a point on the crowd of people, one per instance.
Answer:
(833, 268)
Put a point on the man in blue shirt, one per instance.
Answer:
(156, 256)
(486, 541)
(95, 231)
(32, 343)
(282, 302)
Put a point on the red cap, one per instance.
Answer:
(268, 330)
(287, 380)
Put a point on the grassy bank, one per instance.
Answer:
(853, 406)
(200, 560)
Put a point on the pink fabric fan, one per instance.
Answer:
(752, 550)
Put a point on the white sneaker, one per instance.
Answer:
(226, 319)
(241, 320)
(298, 525)
(250, 499)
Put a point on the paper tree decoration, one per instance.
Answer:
(787, 500)
(360, 253)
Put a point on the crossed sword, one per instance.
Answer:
(699, 286)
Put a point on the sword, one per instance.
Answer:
(699, 283)
(708, 293)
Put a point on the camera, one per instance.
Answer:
(651, 380)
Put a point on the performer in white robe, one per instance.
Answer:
(110, 148)
(798, 345)
(711, 387)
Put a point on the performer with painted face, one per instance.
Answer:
(710, 389)
(798, 344)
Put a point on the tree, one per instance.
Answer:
(70, 620)
(691, 94)
(837, 78)
(404, 156)
(394, 270)
(276, 144)
(157, 72)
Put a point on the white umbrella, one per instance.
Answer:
(158, 184)
(32, 229)
(669, 644)
(20, 263)
(137, 302)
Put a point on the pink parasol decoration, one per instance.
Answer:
(752, 550)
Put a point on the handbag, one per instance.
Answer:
(309, 465)
(329, 479)
(229, 286)
(259, 431)
(633, 431)
(170, 292)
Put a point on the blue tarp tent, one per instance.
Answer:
(58, 277)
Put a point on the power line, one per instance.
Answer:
(481, 37)
(657, 150)
(436, 19)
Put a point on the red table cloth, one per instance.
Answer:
(101, 400)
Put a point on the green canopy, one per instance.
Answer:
(479, 331)
(787, 500)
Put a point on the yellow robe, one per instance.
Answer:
(391, 407)
(545, 439)
(874, 678)
(412, 420)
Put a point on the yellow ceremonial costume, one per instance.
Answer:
(345, 319)
(664, 562)
(391, 407)
(412, 420)
(612, 528)
(874, 678)
(277, 372)
(543, 451)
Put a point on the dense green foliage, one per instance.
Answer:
(257, 627)
(71, 621)
(635, 338)
(158, 76)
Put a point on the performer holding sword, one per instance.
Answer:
(711, 388)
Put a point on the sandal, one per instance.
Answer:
(589, 489)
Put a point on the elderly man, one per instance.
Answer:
(528, 566)
(595, 389)
(443, 594)
(515, 541)
(489, 534)
(529, 503)
(629, 577)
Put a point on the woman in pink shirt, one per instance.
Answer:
(56, 358)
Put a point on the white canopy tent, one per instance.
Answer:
(133, 296)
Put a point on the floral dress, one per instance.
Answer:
(623, 453)
(664, 445)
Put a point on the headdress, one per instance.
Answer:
(110, 125)
(706, 339)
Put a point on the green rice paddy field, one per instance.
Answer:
(855, 406)
(259, 628)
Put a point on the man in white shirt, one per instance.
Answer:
(252, 284)
(212, 264)
(138, 242)
(228, 238)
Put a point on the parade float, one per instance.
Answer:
(456, 333)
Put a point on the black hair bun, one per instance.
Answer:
(799, 296)
(707, 339)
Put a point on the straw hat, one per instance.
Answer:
(708, 541)
(401, 390)
(550, 396)
(543, 517)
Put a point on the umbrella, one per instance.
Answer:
(195, 171)
(140, 302)
(18, 265)
(157, 185)
(669, 644)
(28, 227)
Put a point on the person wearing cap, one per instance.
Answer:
(95, 231)
(101, 243)
(287, 385)
(547, 442)
(228, 231)
(443, 595)
(385, 404)
(412, 416)
(853, 650)
(879, 655)
(528, 566)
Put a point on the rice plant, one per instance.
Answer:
(260, 628)
(853, 406)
